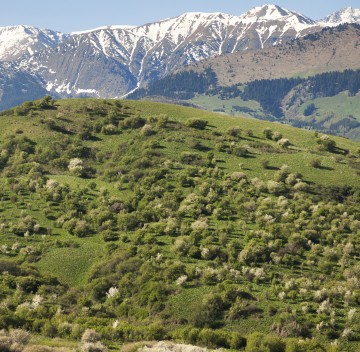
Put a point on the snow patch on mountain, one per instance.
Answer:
(87, 92)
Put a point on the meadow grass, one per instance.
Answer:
(71, 265)
(341, 105)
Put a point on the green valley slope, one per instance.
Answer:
(147, 221)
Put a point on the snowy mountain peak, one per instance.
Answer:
(103, 28)
(345, 15)
(197, 18)
(196, 15)
(268, 12)
(17, 41)
(274, 13)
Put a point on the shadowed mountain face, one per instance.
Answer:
(17, 86)
(113, 61)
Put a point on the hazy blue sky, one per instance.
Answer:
(75, 15)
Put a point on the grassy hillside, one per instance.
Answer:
(146, 221)
(338, 114)
(233, 106)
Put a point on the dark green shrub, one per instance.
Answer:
(326, 143)
(28, 284)
(268, 133)
(49, 329)
(24, 108)
(133, 122)
(213, 338)
(265, 164)
(234, 132)
(276, 136)
(240, 151)
(82, 228)
(109, 235)
(155, 332)
(316, 163)
(190, 158)
(46, 102)
(197, 123)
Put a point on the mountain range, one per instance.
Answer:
(115, 60)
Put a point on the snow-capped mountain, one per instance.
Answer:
(345, 15)
(268, 25)
(114, 60)
(19, 41)
(270, 13)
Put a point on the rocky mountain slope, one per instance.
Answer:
(329, 50)
(113, 61)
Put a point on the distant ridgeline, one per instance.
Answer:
(340, 28)
(269, 93)
(182, 85)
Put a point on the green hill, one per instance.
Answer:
(148, 221)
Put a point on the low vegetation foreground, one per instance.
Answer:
(123, 222)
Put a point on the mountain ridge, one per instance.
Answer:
(330, 50)
(112, 61)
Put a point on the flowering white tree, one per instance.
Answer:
(76, 166)
(4, 249)
(90, 342)
(36, 301)
(324, 307)
(351, 314)
(200, 225)
(113, 291)
(181, 280)
(51, 183)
